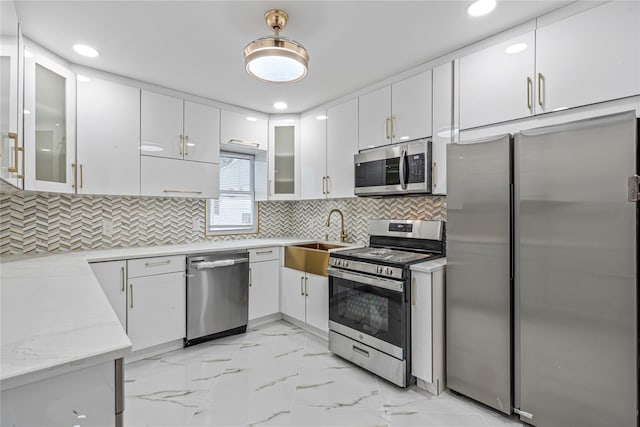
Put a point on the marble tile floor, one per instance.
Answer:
(280, 375)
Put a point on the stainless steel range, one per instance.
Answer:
(369, 295)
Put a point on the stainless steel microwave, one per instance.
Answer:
(403, 168)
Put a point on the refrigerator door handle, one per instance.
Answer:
(634, 188)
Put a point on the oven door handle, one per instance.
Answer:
(392, 285)
(402, 169)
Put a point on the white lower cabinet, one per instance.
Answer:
(156, 304)
(264, 279)
(112, 276)
(178, 178)
(84, 397)
(427, 329)
(305, 297)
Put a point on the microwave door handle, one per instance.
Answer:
(402, 170)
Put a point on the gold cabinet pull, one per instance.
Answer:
(157, 263)
(328, 184)
(540, 78)
(264, 252)
(413, 291)
(324, 185)
(302, 285)
(73, 172)
(393, 126)
(434, 175)
(180, 144)
(80, 175)
(529, 89)
(306, 286)
(250, 277)
(131, 295)
(386, 126)
(14, 136)
(122, 277)
(182, 191)
(186, 145)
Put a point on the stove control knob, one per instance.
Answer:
(346, 264)
(378, 269)
(389, 272)
(338, 262)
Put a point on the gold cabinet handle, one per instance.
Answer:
(302, 285)
(324, 185)
(434, 175)
(529, 89)
(21, 175)
(81, 175)
(14, 136)
(540, 79)
(413, 291)
(180, 144)
(131, 295)
(393, 126)
(306, 286)
(182, 191)
(157, 263)
(73, 172)
(328, 184)
(386, 126)
(264, 252)
(186, 145)
(122, 277)
(250, 277)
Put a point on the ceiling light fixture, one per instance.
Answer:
(280, 105)
(515, 48)
(275, 58)
(481, 7)
(85, 50)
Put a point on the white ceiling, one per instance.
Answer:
(196, 46)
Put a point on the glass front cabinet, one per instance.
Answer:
(284, 172)
(49, 124)
(11, 68)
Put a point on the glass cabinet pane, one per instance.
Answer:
(284, 165)
(51, 134)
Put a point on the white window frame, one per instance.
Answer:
(210, 229)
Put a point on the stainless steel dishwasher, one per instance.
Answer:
(217, 295)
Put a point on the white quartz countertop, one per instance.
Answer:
(430, 266)
(55, 317)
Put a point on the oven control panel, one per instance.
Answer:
(403, 228)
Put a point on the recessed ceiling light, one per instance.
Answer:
(322, 117)
(280, 105)
(515, 48)
(28, 54)
(481, 7)
(252, 119)
(85, 50)
(83, 79)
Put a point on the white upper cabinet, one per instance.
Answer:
(201, 132)
(243, 130)
(284, 166)
(443, 128)
(342, 145)
(108, 145)
(395, 113)
(50, 124)
(11, 72)
(374, 117)
(177, 129)
(411, 108)
(178, 178)
(313, 155)
(590, 57)
(496, 85)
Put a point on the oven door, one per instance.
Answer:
(369, 309)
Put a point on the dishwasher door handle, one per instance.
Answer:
(206, 265)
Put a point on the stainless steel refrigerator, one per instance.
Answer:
(573, 304)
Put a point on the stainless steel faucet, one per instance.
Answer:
(343, 235)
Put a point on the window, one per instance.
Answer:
(235, 209)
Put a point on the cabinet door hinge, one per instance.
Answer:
(523, 413)
(634, 188)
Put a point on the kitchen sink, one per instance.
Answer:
(310, 257)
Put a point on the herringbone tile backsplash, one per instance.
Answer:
(38, 223)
